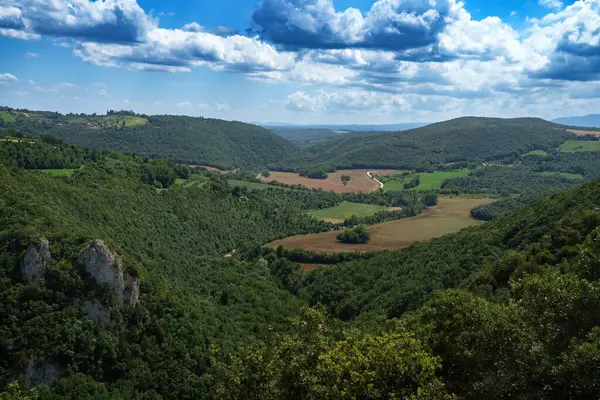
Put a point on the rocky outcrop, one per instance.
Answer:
(44, 373)
(106, 269)
(95, 311)
(36, 259)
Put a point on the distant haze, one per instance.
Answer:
(590, 121)
(357, 128)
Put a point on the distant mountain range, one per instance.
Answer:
(590, 121)
(354, 128)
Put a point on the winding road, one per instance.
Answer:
(375, 179)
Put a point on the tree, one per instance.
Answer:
(345, 179)
(390, 366)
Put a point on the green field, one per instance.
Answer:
(563, 174)
(575, 146)
(346, 210)
(428, 181)
(539, 153)
(6, 117)
(128, 120)
(57, 172)
(254, 185)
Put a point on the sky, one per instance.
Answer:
(303, 61)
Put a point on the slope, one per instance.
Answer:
(462, 139)
(204, 141)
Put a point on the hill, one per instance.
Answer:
(458, 140)
(588, 121)
(203, 141)
(112, 286)
(353, 128)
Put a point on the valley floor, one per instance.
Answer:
(359, 180)
(449, 216)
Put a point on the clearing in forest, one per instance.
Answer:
(347, 209)
(57, 172)
(539, 153)
(6, 117)
(582, 132)
(429, 181)
(576, 146)
(449, 216)
(359, 181)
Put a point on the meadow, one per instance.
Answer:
(128, 120)
(563, 174)
(539, 153)
(346, 210)
(58, 172)
(359, 180)
(6, 117)
(449, 216)
(576, 146)
(429, 181)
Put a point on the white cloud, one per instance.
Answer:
(6, 77)
(31, 55)
(192, 27)
(22, 94)
(551, 3)
(222, 106)
(514, 13)
(103, 93)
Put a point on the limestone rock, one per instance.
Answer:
(36, 259)
(43, 374)
(95, 311)
(106, 269)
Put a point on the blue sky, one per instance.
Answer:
(303, 61)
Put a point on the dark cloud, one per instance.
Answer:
(569, 67)
(117, 21)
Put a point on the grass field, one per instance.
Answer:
(6, 117)
(57, 172)
(449, 216)
(575, 146)
(346, 210)
(253, 185)
(359, 181)
(127, 119)
(429, 181)
(563, 174)
(539, 153)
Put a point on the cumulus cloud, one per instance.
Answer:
(176, 50)
(347, 101)
(6, 77)
(570, 42)
(114, 21)
(389, 25)
(551, 3)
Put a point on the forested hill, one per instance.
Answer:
(508, 309)
(462, 139)
(205, 141)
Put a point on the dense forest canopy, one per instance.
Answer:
(463, 139)
(204, 141)
(197, 308)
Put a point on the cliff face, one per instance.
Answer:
(107, 270)
(36, 260)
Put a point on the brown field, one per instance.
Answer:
(359, 181)
(449, 216)
(581, 132)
